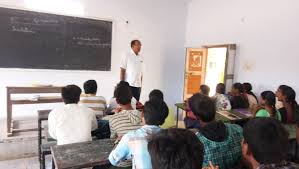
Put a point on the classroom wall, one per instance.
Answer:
(159, 24)
(266, 33)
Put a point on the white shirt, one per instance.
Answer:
(134, 68)
(71, 123)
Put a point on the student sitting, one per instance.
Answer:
(113, 106)
(265, 145)
(221, 140)
(176, 149)
(221, 100)
(267, 108)
(133, 145)
(71, 123)
(127, 119)
(89, 99)
(252, 99)
(204, 89)
(169, 121)
(290, 108)
(238, 99)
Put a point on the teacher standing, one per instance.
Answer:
(131, 69)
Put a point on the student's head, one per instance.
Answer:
(220, 88)
(71, 94)
(155, 112)
(204, 89)
(237, 88)
(90, 87)
(176, 149)
(123, 95)
(247, 87)
(265, 141)
(286, 94)
(136, 46)
(156, 94)
(268, 98)
(203, 107)
(123, 83)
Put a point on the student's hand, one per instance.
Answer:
(211, 166)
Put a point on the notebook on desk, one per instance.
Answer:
(229, 115)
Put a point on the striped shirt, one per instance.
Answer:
(96, 103)
(123, 122)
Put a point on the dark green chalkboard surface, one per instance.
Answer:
(34, 40)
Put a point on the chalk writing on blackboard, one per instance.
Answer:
(91, 41)
(22, 29)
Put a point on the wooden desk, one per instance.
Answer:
(218, 117)
(28, 90)
(81, 155)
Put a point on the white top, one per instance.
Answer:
(134, 68)
(71, 123)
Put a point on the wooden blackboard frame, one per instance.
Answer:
(109, 19)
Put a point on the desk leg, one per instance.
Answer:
(39, 140)
(9, 114)
(177, 117)
(53, 164)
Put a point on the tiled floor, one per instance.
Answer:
(25, 163)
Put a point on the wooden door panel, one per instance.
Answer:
(195, 68)
(193, 81)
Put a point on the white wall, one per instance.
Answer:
(159, 24)
(266, 33)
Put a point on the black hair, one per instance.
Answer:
(248, 89)
(267, 140)
(289, 93)
(270, 99)
(133, 42)
(122, 94)
(71, 94)
(155, 112)
(203, 107)
(290, 96)
(204, 89)
(158, 94)
(220, 88)
(176, 149)
(123, 83)
(240, 101)
(239, 87)
(90, 87)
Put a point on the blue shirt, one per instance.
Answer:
(133, 146)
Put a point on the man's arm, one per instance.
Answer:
(121, 152)
(52, 125)
(94, 122)
(122, 74)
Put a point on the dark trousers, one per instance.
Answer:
(136, 92)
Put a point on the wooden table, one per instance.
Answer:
(218, 117)
(81, 155)
(28, 90)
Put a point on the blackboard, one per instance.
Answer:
(34, 40)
